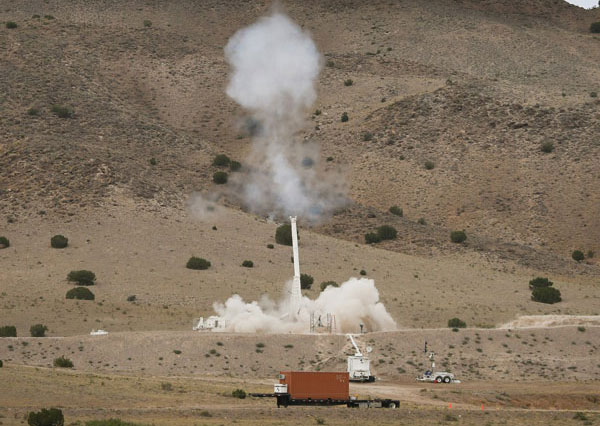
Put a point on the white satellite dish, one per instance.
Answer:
(369, 349)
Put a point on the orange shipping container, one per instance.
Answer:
(316, 385)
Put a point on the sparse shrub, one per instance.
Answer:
(82, 277)
(429, 165)
(260, 345)
(131, 298)
(547, 147)
(456, 323)
(59, 241)
(330, 63)
(593, 94)
(4, 242)
(348, 82)
(326, 284)
(234, 166)
(11, 25)
(197, 263)
(372, 238)
(421, 221)
(363, 272)
(595, 27)
(270, 246)
(283, 234)
(63, 362)
(34, 112)
(318, 112)
(345, 117)
(49, 17)
(248, 264)
(540, 282)
(38, 330)
(579, 415)
(458, 236)
(221, 160)
(205, 413)
(177, 352)
(396, 211)
(147, 23)
(46, 417)
(320, 421)
(153, 161)
(239, 393)
(329, 159)
(450, 418)
(367, 136)
(387, 232)
(581, 329)
(220, 178)
(548, 295)
(80, 293)
(590, 254)
(577, 255)
(1, 364)
(8, 331)
(62, 111)
(306, 281)
(166, 386)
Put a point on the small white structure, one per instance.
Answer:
(359, 366)
(212, 323)
(98, 332)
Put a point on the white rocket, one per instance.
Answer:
(296, 295)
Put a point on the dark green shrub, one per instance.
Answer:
(547, 147)
(456, 323)
(372, 238)
(33, 112)
(283, 234)
(344, 117)
(49, 17)
(197, 263)
(110, 422)
(306, 281)
(59, 241)
(348, 82)
(220, 178)
(590, 254)
(131, 298)
(8, 331)
(153, 161)
(270, 246)
(4, 243)
(329, 159)
(147, 23)
(363, 272)
(62, 111)
(326, 284)
(11, 25)
(421, 221)
(580, 416)
(63, 362)
(387, 232)
(458, 236)
(38, 330)
(239, 393)
(221, 160)
(540, 282)
(317, 112)
(577, 255)
(235, 166)
(367, 136)
(82, 277)
(80, 293)
(397, 211)
(429, 165)
(548, 295)
(46, 417)
(593, 94)
(595, 27)
(248, 264)
(1, 365)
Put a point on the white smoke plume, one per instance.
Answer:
(274, 67)
(356, 301)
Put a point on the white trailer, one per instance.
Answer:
(436, 376)
(359, 366)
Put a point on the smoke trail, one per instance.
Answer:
(275, 64)
(355, 301)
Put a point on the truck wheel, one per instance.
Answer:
(438, 379)
(446, 379)
(392, 405)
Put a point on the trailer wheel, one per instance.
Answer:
(438, 379)
(446, 379)
(392, 405)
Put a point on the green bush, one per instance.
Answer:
(248, 264)
(80, 293)
(235, 166)
(456, 323)
(306, 281)
(38, 330)
(59, 241)
(46, 417)
(396, 211)
(547, 147)
(577, 255)
(82, 277)
(458, 236)
(239, 393)
(197, 263)
(387, 232)
(131, 298)
(153, 161)
(363, 272)
(429, 165)
(8, 331)
(110, 422)
(34, 112)
(326, 284)
(344, 117)
(348, 82)
(62, 111)
(540, 282)
(1, 364)
(546, 295)
(220, 178)
(147, 23)
(270, 246)
(63, 362)
(421, 221)
(372, 238)
(595, 27)
(4, 242)
(221, 160)
(11, 25)
(283, 234)
(590, 254)
(367, 136)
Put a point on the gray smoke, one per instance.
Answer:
(275, 64)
